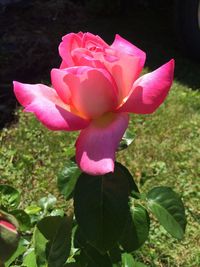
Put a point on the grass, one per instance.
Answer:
(165, 152)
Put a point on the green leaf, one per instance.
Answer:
(23, 219)
(89, 256)
(101, 207)
(40, 243)
(47, 203)
(79, 239)
(168, 208)
(57, 212)
(95, 259)
(52, 241)
(139, 264)
(32, 210)
(19, 251)
(132, 185)
(136, 230)
(115, 254)
(9, 197)
(30, 259)
(72, 264)
(67, 179)
(128, 261)
(127, 139)
(60, 246)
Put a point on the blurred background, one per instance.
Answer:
(31, 31)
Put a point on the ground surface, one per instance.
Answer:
(166, 150)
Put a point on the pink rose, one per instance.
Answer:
(95, 88)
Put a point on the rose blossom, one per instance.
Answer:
(94, 89)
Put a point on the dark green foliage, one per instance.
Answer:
(67, 179)
(52, 241)
(136, 230)
(168, 208)
(101, 207)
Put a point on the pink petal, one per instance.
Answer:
(44, 102)
(126, 47)
(93, 91)
(68, 44)
(62, 89)
(80, 34)
(96, 145)
(63, 65)
(150, 90)
(124, 68)
(90, 40)
(83, 57)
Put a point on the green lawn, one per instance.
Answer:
(166, 151)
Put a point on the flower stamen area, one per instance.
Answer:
(104, 120)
